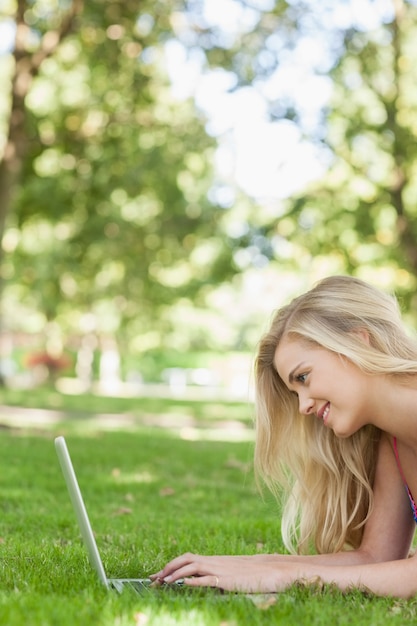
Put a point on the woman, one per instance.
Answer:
(336, 433)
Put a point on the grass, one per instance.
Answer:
(151, 495)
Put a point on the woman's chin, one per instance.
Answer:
(343, 431)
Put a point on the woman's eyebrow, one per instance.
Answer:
(291, 376)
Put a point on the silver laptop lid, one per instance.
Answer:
(79, 507)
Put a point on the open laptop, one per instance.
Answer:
(138, 584)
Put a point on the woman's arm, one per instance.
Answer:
(392, 578)
(379, 564)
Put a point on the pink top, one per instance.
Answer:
(410, 495)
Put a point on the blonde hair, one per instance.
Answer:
(325, 482)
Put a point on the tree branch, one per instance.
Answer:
(51, 40)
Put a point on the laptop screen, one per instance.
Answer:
(79, 508)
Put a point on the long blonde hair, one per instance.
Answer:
(324, 482)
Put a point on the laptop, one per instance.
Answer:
(137, 584)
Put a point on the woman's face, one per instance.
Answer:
(329, 386)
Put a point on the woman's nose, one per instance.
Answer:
(306, 405)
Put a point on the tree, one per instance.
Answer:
(362, 213)
(113, 213)
(117, 213)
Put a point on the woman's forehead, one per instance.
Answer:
(286, 351)
(290, 349)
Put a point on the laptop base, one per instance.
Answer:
(137, 584)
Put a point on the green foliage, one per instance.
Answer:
(152, 364)
(117, 217)
(360, 218)
(114, 208)
(121, 216)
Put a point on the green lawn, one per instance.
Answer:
(151, 495)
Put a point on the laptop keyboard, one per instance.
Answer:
(139, 584)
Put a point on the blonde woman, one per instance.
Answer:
(336, 438)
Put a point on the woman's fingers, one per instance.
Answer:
(230, 573)
(175, 566)
(196, 568)
(204, 581)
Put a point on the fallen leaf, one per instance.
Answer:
(123, 510)
(263, 600)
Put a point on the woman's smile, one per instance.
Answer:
(324, 412)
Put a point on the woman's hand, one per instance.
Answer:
(249, 574)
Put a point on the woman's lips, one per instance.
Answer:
(324, 412)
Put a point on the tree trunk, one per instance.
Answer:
(26, 67)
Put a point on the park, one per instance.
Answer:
(171, 173)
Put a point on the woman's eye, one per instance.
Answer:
(301, 378)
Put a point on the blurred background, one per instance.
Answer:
(171, 172)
